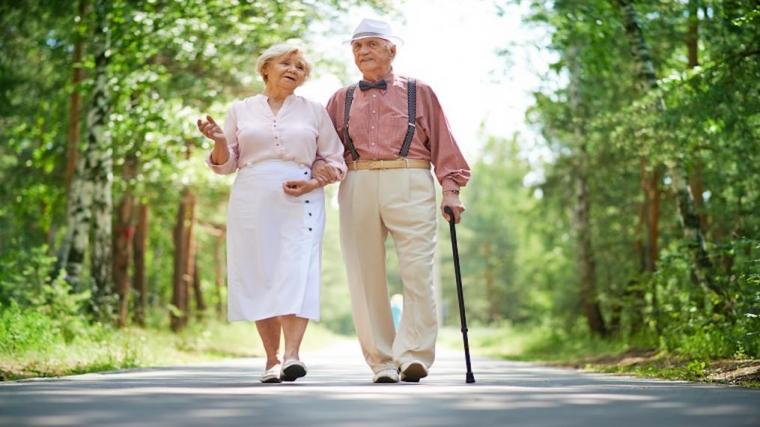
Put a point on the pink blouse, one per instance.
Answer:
(299, 132)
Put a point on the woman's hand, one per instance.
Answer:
(298, 187)
(211, 130)
(324, 173)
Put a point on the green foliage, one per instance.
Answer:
(488, 240)
(169, 63)
(35, 308)
(599, 122)
(25, 329)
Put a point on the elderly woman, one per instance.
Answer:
(276, 213)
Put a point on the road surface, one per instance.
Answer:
(338, 392)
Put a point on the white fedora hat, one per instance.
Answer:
(375, 28)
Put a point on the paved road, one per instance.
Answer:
(338, 392)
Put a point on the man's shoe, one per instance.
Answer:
(272, 375)
(292, 370)
(412, 372)
(386, 376)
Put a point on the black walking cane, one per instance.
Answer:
(470, 378)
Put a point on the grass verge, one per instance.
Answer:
(601, 355)
(103, 348)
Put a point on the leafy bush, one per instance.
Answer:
(25, 329)
(38, 309)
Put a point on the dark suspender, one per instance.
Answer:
(346, 110)
(411, 94)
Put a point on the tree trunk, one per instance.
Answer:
(586, 261)
(183, 230)
(643, 227)
(582, 212)
(692, 228)
(692, 38)
(180, 248)
(219, 272)
(490, 284)
(200, 304)
(696, 183)
(72, 151)
(654, 216)
(139, 279)
(122, 241)
(89, 198)
(100, 152)
(78, 214)
(189, 276)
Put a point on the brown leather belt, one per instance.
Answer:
(359, 165)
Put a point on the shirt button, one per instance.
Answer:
(374, 96)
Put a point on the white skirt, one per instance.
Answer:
(274, 244)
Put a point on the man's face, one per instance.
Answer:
(373, 55)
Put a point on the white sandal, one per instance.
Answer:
(292, 370)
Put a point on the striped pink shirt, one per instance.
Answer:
(378, 123)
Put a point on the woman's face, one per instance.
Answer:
(286, 72)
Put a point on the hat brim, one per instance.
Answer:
(393, 39)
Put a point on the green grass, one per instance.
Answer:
(506, 342)
(603, 355)
(36, 349)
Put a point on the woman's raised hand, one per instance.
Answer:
(211, 130)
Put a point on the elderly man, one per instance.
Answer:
(392, 128)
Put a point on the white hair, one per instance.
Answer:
(276, 51)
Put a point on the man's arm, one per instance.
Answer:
(451, 168)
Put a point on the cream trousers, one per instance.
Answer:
(374, 203)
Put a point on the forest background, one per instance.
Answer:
(640, 236)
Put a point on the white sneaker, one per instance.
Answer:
(412, 372)
(271, 375)
(386, 376)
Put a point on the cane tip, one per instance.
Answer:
(470, 378)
